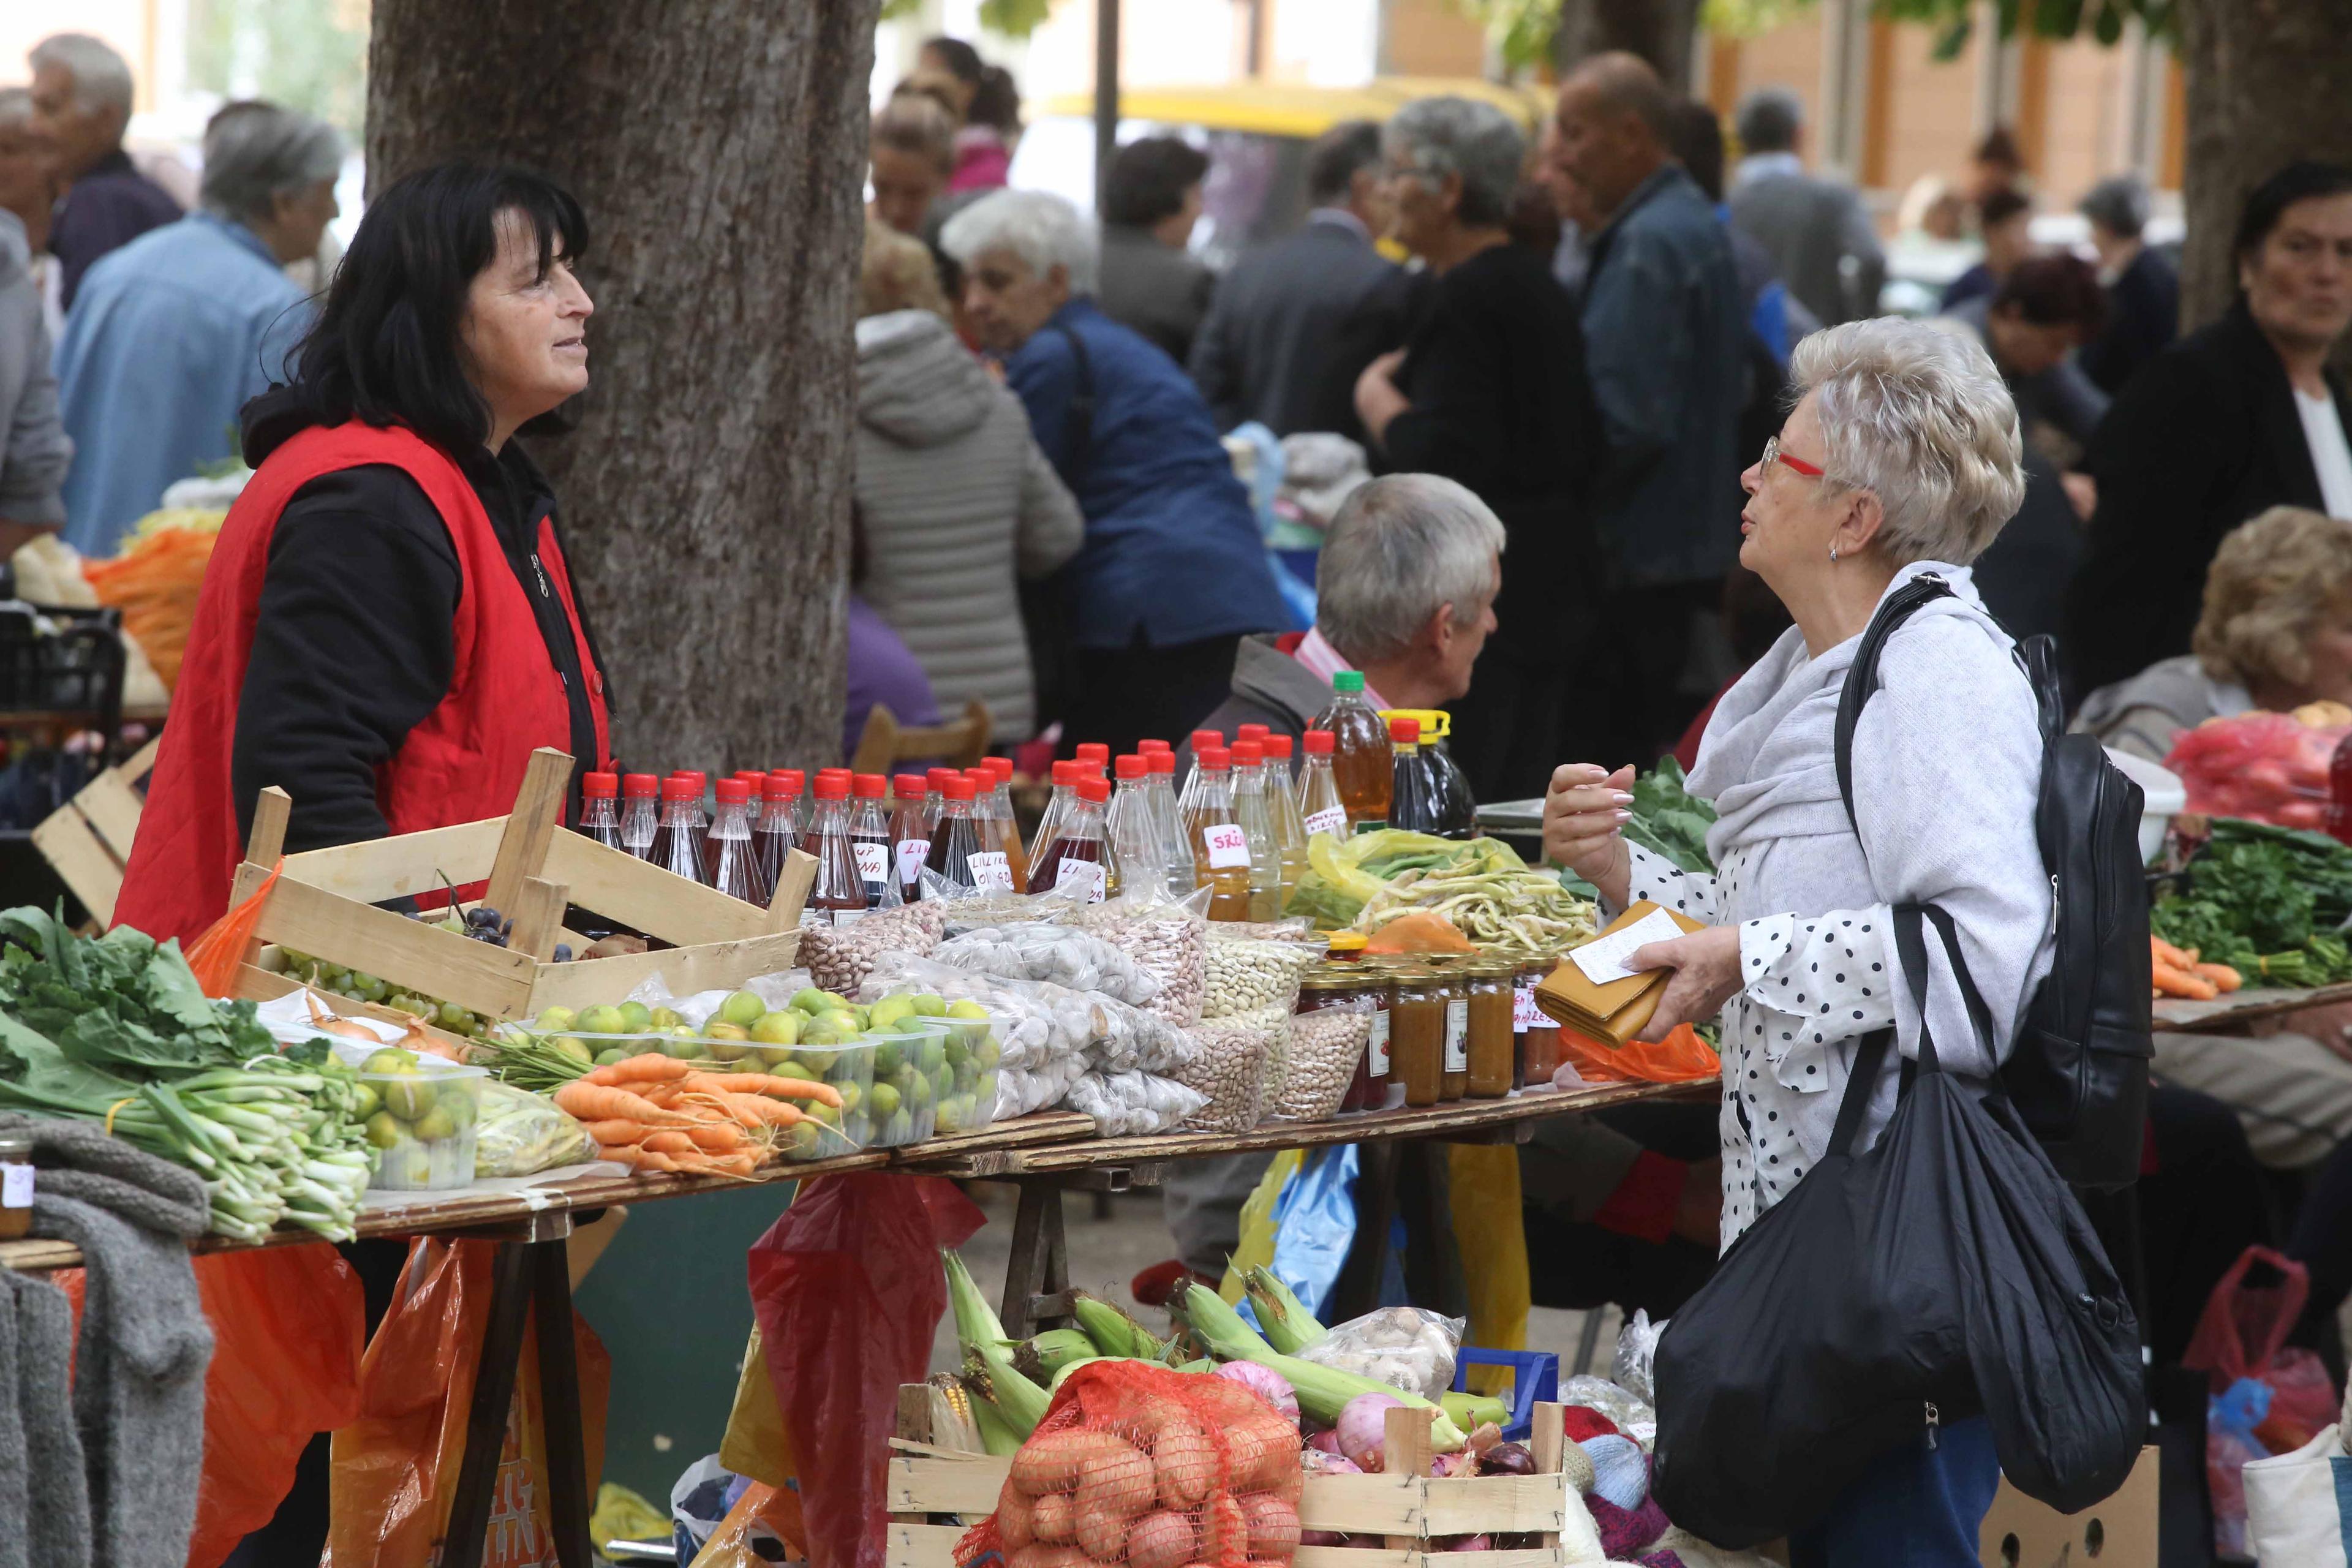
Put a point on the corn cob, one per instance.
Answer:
(1288, 1327)
(1323, 1391)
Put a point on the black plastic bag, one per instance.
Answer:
(1945, 1272)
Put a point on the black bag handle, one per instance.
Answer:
(1862, 676)
(1911, 946)
(1079, 420)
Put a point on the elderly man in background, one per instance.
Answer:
(28, 192)
(176, 331)
(1172, 573)
(1294, 324)
(1664, 346)
(2143, 287)
(1820, 239)
(1149, 278)
(34, 450)
(1404, 591)
(82, 91)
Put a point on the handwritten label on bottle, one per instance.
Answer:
(1376, 1048)
(1457, 1036)
(1082, 879)
(912, 854)
(1332, 819)
(872, 862)
(1228, 845)
(991, 871)
(1525, 1014)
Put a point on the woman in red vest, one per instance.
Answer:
(387, 628)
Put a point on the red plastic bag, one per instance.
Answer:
(1151, 1468)
(2265, 767)
(216, 955)
(396, 1465)
(1681, 1057)
(2240, 1340)
(848, 1289)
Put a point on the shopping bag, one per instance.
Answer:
(394, 1470)
(1482, 1181)
(847, 1290)
(1944, 1272)
(2266, 1397)
(215, 958)
(287, 1325)
(1681, 1057)
(2299, 1505)
(755, 1443)
(1256, 1244)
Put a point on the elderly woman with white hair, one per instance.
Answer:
(1173, 572)
(174, 333)
(1900, 460)
(1489, 391)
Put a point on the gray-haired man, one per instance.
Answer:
(82, 91)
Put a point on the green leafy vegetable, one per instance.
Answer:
(2267, 901)
(1669, 820)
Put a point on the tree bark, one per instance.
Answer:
(2265, 87)
(1660, 31)
(717, 148)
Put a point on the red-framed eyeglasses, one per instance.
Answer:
(1795, 465)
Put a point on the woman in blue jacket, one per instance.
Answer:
(1172, 574)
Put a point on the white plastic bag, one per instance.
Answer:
(1133, 1104)
(517, 1133)
(1410, 1348)
(1057, 954)
(1637, 1353)
(1627, 1412)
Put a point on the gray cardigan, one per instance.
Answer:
(34, 446)
(955, 501)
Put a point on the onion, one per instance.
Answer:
(1484, 1436)
(1266, 1384)
(1315, 1462)
(1463, 1462)
(1325, 1442)
(329, 1022)
(1363, 1427)
(1507, 1460)
(1469, 1544)
(1321, 1538)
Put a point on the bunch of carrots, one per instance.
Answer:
(2179, 974)
(655, 1113)
(155, 583)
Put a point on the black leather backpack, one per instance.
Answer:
(2078, 1071)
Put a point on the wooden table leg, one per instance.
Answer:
(568, 1504)
(486, 1423)
(1039, 1264)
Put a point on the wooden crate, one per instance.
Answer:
(87, 841)
(1407, 1507)
(324, 905)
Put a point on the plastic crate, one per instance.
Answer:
(74, 668)
(1535, 1380)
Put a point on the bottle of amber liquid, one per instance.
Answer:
(1361, 763)
(1221, 851)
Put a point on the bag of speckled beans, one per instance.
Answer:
(1249, 975)
(1329, 1030)
(1233, 1062)
(1167, 939)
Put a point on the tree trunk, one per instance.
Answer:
(2265, 87)
(717, 148)
(1660, 31)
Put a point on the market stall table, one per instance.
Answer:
(2224, 1014)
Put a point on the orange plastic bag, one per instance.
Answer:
(1681, 1057)
(396, 1465)
(1143, 1465)
(1420, 932)
(217, 954)
(732, 1544)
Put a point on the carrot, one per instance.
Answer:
(2164, 952)
(614, 1134)
(2224, 978)
(760, 1083)
(749, 1109)
(716, 1137)
(599, 1102)
(2171, 981)
(668, 1140)
(651, 1068)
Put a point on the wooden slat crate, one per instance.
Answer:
(1406, 1507)
(87, 841)
(324, 905)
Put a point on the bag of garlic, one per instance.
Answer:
(1058, 955)
(1237, 1056)
(1133, 1104)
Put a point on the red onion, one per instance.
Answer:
(1507, 1459)
(1315, 1462)
(1326, 1441)
(1321, 1538)
(1265, 1383)
(1363, 1427)
(1470, 1544)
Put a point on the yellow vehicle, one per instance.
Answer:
(1255, 133)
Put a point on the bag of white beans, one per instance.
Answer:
(1167, 939)
(1247, 973)
(1325, 1048)
(1237, 1054)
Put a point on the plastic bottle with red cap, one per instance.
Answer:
(778, 832)
(956, 849)
(678, 846)
(1319, 806)
(1281, 800)
(838, 896)
(640, 814)
(1414, 805)
(1220, 856)
(1001, 820)
(600, 816)
(1077, 863)
(1066, 776)
(1254, 813)
(910, 840)
(1137, 857)
(1188, 798)
(1094, 754)
(1175, 851)
(733, 859)
(869, 839)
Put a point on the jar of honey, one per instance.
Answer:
(1489, 988)
(1417, 1035)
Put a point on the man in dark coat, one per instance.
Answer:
(1296, 323)
(81, 91)
(2232, 420)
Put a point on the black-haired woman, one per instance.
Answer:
(388, 626)
(2234, 419)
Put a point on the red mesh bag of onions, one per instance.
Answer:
(1141, 1466)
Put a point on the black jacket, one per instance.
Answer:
(2205, 437)
(2143, 318)
(352, 644)
(1501, 407)
(1292, 327)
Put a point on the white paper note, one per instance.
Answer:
(1603, 958)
